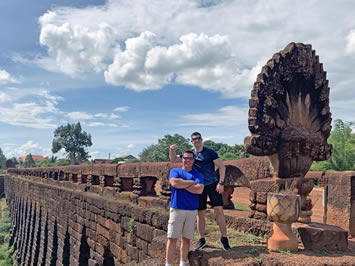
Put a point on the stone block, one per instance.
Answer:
(142, 215)
(115, 250)
(158, 247)
(145, 232)
(100, 230)
(261, 197)
(261, 207)
(260, 215)
(130, 238)
(316, 236)
(142, 256)
(132, 252)
(142, 245)
(116, 227)
(100, 249)
(115, 237)
(341, 200)
(160, 221)
(158, 232)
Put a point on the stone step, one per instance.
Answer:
(316, 236)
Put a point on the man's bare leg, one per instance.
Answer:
(221, 220)
(201, 223)
(184, 249)
(170, 250)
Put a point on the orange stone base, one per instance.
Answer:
(282, 238)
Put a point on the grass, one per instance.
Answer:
(241, 207)
(236, 239)
(324, 253)
(7, 254)
(285, 252)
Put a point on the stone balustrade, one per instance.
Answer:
(113, 180)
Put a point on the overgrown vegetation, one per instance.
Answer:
(240, 242)
(7, 254)
(160, 152)
(343, 157)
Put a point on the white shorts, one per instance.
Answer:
(182, 223)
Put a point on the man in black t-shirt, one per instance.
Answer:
(206, 162)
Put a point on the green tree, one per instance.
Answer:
(29, 162)
(2, 160)
(161, 152)
(226, 152)
(73, 140)
(212, 145)
(147, 155)
(343, 156)
(240, 151)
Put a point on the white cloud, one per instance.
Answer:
(95, 154)
(76, 48)
(350, 45)
(6, 78)
(114, 116)
(228, 116)
(4, 97)
(101, 115)
(79, 116)
(207, 62)
(131, 146)
(33, 114)
(217, 138)
(99, 124)
(121, 109)
(255, 30)
(25, 149)
(128, 67)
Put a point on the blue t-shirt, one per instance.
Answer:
(180, 197)
(204, 164)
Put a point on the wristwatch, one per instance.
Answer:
(221, 183)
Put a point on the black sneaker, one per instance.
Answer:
(200, 244)
(225, 244)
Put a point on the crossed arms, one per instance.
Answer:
(189, 185)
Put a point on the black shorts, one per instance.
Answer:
(215, 198)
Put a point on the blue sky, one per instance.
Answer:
(132, 71)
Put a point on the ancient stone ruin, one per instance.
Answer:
(116, 214)
(290, 121)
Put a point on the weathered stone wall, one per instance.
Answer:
(112, 214)
(341, 200)
(93, 214)
(319, 176)
(57, 225)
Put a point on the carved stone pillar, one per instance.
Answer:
(138, 186)
(102, 180)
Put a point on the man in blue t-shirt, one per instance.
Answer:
(186, 184)
(206, 162)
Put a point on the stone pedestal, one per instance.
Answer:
(260, 188)
(284, 209)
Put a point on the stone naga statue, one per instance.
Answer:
(289, 115)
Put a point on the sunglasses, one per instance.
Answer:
(197, 138)
(188, 158)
